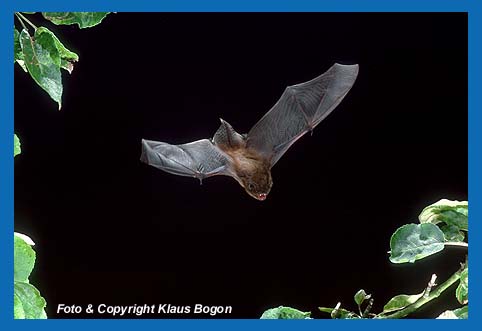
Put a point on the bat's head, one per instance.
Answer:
(257, 184)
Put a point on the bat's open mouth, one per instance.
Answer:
(262, 196)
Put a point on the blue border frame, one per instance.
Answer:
(6, 149)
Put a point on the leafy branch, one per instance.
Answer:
(442, 224)
(42, 55)
(427, 296)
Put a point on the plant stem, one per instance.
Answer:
(26, 20)
(423, 300)
(456, 243)
(21, 22)
(367, 309)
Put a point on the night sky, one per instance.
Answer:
(110, 229)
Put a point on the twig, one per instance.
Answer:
(425, 299)
(26, 20)
(21, 22)
(430, 284)
(368, 308)
(334, 312)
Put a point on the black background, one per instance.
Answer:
(109, 229)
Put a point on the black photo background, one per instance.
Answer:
(111, 230)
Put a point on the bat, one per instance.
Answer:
(248, 158)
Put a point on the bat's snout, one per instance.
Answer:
(262, 196)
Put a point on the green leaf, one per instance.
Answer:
(413, 242)
(24, 258)
(30, 300)
(42, 59)
(18, 54)
(43, 315)
(16, 146)
(361, 296)
(64, 52)
(339, 313)
(400, 301)
(447, 211)
(18, 311)
(67, 65)
(460, 313)
(462, 291)
(452, 233)
(67, 57)
(82, 19)
(285, 313)
(448, 314)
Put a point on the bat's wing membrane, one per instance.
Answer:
(199, 159)
(300, 109)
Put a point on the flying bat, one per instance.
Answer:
(248, 158)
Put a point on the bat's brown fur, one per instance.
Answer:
(251, 171)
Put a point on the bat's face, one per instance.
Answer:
(257, 184)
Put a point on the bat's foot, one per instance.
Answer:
(199, 176)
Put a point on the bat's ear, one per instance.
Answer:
(226, 136)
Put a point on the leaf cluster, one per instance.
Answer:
(441, 224)
(27, 301)
(43, 55)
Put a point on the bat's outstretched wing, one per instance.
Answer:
(199, 159)
(299, 110)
